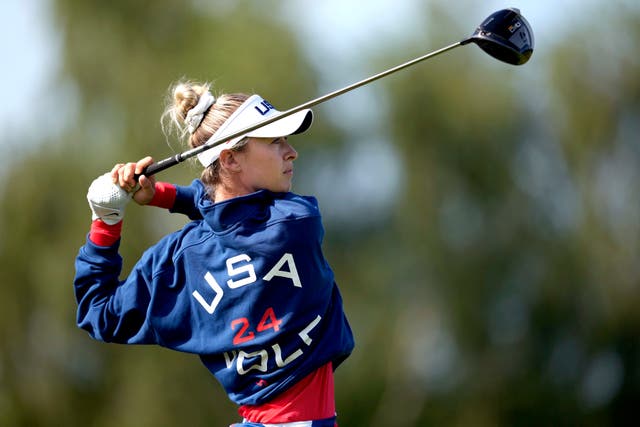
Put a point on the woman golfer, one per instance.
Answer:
(244, 285)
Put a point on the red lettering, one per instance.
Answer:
(269, 321)
(240, 337)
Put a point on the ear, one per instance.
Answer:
(229, 160)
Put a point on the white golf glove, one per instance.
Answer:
(107, 200)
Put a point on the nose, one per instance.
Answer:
(290, 152)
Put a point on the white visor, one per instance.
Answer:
(253, 111)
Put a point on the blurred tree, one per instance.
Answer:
(499, 289)
(516, 270)
(119, 60)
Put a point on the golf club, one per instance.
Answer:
(505, 35)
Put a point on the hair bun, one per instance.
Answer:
(186, 96)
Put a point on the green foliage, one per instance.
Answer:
(498, 287)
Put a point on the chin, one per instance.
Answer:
(279, 188)
(286, 187)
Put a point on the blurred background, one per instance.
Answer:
(483, 220)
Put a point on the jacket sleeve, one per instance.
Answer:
(111, 310)
(187, 198)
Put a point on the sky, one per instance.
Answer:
(32, 45)
(339, 37)
(31, 55)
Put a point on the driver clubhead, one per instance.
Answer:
(506, 35)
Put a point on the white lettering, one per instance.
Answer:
(262, 366)
(264, 356)
(216, 300)
(291, 358)
(234, 271)
(240, 266)
(304, 334)
(291, 274)
(229, 360)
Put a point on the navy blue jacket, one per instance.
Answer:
(245, 286)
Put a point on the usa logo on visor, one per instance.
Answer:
(264, 107)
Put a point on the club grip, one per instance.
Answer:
(154, 168)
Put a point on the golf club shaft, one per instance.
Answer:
(178, 158)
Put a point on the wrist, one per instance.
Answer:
(165, 195)
(103, 234)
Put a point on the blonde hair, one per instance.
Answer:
(183, 96)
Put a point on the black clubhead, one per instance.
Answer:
(506, 36)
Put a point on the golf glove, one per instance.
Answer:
(107, 200)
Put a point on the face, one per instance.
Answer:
(266, 164)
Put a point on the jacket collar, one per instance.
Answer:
(226, 215)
